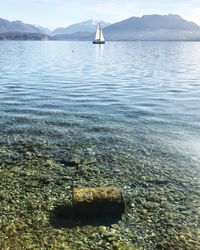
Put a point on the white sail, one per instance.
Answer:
(102, 37)
(98, 33)
(99, 38)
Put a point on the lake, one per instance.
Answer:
(121, 114)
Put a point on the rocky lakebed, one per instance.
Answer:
(163, 202)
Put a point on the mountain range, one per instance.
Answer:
(17, 26)
(88, 26)
(148, 27)
(153, 27)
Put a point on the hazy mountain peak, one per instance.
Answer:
(85, 26)
(17, 26)
(152, 27)
(95, 22)
(43, 30)
(17, 21)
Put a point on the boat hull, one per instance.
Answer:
(98, 42)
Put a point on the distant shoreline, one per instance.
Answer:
(54, 40)
(43, 37)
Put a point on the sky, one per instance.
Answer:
(61, 13)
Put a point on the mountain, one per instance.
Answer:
(152, 27)
(17, 26)
(87, 26)
(43, 30)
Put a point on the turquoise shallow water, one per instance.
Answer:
(126, 113)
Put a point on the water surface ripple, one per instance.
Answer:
(145, 90)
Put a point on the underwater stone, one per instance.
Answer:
(96, 201)
(102, 229)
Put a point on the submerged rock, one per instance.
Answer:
(95, 201)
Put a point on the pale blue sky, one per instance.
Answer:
(55, 13)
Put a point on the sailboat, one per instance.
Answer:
(99, 38)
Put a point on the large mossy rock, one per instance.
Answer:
(98, 201)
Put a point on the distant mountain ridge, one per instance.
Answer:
(17, 26)
(148, 27)
(44, 30)
(155, 22)
(86, 26)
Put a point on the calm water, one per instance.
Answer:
(124, 114)
(133, 96)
